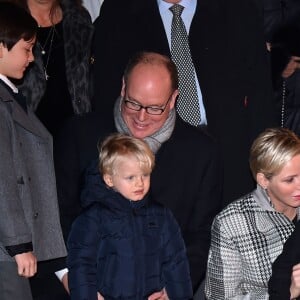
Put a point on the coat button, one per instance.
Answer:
(36, 215)
(20, 180)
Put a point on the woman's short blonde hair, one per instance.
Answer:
(117, 146)
(271, 150)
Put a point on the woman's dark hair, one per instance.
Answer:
(15, 24)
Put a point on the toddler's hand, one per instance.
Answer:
(162, 295)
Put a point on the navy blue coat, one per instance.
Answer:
(125, 249)
(187, 179)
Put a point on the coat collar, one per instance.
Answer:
(96, 191)
(263, 201)
(18, 113)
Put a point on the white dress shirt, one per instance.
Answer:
(93, 7)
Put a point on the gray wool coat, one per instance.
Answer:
(28, 199)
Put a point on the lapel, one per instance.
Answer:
(19, 115)
(26, 120)
(205, 27)
(152, 29)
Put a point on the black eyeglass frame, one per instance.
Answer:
(157, 111)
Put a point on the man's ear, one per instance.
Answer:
(123, 88)
(108, 180)
(173, 99)
(262, 180)
(1, 50)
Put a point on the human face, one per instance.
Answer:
(14, 62)
(129, 179)
(284, 188)
(147, 85)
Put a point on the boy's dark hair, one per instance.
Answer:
(15, 24)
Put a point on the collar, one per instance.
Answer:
(189, 5)
(263, 200)
(9, 83)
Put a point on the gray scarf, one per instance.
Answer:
(154, 141)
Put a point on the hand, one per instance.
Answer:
(27, 264)
(295, 282)
(162, 295)
(291, 67)
(100, 296)
(65, 283)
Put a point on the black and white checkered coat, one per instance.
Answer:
(247, 236)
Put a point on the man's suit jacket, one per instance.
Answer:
(229, 55)
(186, 178)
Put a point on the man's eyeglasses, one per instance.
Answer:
(151, 110)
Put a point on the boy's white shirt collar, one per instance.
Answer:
(9, 83)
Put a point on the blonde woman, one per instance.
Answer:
(248, 235)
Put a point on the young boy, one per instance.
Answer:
(29, 219)
(123, 246)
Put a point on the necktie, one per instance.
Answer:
(187, 103)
